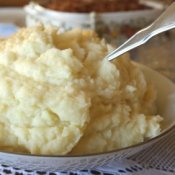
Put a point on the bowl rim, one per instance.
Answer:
(165, 132)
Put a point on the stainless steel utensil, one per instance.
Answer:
(165, 22)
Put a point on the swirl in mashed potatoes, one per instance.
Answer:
(59, 96)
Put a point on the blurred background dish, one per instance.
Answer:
(109, 18)
(87, 6)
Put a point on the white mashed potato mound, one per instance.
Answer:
(59, 96)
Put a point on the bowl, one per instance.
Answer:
(108, 24)
(165, 104)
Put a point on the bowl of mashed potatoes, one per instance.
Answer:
(64, 107)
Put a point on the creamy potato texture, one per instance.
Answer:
(59, 96)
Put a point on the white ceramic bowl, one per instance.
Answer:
(115, 27)
(165, 104)
(65, 20)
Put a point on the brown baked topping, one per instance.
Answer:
(93, 5)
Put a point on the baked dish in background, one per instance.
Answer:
(86, 6)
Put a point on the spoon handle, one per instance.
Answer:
(165, 22)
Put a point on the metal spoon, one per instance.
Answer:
(165, 22)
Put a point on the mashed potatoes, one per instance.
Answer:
(59, 96)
